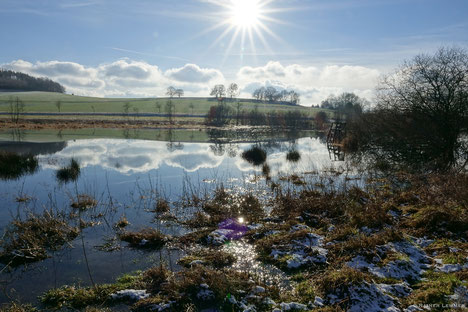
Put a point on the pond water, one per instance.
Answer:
(126, 172)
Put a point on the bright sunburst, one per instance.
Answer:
(245, 13)
(246, 22)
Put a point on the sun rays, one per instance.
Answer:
(246, 24)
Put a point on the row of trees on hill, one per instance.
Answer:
(268, 94)
(220, 91)
(271, 94)
(11, 80)
(171, 92)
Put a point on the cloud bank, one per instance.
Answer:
(129, 78)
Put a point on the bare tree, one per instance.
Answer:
(59, 105)
(179, 92)
(259, 94)
(126, 109)
(16, 109)
(157, 106)
(170, 111)
(270, 93)
(233, 90)
(218, 91)
(171, 91)
(238, 111)
(422, 110)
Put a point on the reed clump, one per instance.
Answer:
(69, 173)
(32, 239)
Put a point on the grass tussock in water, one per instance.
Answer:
(84, 202)
(32, 239)
(210, 257)
(17, 307)
(256, 156)
(89, 298)
(223, 206)
(147, 238)
(14, 166)
(293, 156)
(69, 173)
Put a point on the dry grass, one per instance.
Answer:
(69, 173)
(439, 220)
(123, 222)
(224, 206)
(211, 257)
(17, 307)
(154, 278)
(338, 280)
(84, 202)
(162, 206)
(30, 240)
(147, 238)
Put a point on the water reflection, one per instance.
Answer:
(127, 177)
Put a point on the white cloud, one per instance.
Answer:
(313, 83)
(130, 78)
(193, 73)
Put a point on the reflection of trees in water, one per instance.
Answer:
(13, 166)
(28, 148)
(232, 150)
(171, 146)
(126, 133)
(17, 135)
(217, 149)
(130, 134)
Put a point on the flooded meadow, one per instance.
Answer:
(97, 184)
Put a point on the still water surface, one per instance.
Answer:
(126, 176)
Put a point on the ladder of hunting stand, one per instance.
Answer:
(336, 133)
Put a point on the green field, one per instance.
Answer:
(168, 135)
(45, 102)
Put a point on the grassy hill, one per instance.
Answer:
(45, 102)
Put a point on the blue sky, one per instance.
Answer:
(139, 47)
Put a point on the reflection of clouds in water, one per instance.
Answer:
(314, 157)
(127, 156)
(132, 156)
(194, 162)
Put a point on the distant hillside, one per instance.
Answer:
(16, 81)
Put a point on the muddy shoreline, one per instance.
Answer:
(37, 124)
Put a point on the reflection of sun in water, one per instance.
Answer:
(246, 22)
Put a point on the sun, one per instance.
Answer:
(246, 24)
(245, 13)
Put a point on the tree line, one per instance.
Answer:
(11, 80)
(271, 94)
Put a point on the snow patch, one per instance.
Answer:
(409, 270)
(131, 294)
(302, 252)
